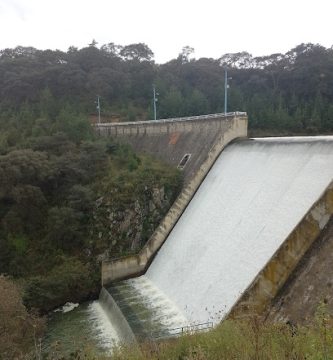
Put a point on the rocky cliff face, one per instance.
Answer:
(120, 229)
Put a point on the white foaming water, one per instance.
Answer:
(253, 197)
(102, 327)
(69, 306)
(164, 311)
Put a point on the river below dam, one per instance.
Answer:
(76, 327)
(142, 313)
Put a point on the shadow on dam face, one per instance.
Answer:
(254, 197)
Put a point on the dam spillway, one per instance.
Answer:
(149, 313)
(250, 201)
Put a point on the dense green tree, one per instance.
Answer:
(140, 52)
(69, 280)
(196, 104)
(172, 105)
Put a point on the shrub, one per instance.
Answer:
(70, 281)
(19, 329)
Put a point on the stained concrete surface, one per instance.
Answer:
(169, 140)
(309, 285)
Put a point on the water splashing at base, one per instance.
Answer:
(86, 326)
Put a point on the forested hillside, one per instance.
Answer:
(68, 199)
(290, 92)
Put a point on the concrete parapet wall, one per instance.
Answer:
(264, 288)
(230, 128)
(185, 124)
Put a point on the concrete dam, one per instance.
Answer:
(227, 250)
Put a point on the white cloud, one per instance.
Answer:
(212, 27)
(13, 9)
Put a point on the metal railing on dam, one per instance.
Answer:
(178, 119)
(184, 330)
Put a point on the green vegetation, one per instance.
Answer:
(19, 329)
(59, 187)
(68, 200)
(136, 193)
(241, 340)
(282, 93)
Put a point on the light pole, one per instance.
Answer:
(155, 100)
(226, 87)
(98, 107)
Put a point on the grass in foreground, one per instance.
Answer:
(237, 340)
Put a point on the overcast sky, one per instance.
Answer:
(211, 27)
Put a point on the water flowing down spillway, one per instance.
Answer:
(255, 194)
(148, 312)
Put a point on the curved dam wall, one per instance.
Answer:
(218, 130)
(171, 139)
(257, 211)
